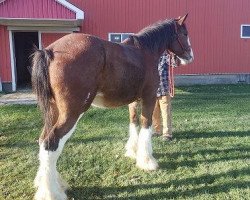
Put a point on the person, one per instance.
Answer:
(162, 109)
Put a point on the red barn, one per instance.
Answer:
(219, 32)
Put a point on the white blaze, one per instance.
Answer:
(185, 61)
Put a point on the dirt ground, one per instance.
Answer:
(19, 97)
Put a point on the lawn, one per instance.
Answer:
(208, 159)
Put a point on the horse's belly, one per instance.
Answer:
(109, 101)
(99, 101)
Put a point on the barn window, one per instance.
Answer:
(245, 31)
(118, 37)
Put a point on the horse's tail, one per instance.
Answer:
(41, 82)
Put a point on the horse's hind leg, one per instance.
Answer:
(49, 184)
(131, 146)
(53, 118)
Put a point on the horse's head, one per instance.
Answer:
(180, 44)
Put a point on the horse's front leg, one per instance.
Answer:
(144, 157)
(131, 146)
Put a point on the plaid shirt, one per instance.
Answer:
(163, 73)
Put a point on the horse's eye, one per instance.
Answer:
(186, 34)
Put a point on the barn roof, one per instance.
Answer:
(39, 13)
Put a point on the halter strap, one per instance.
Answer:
(178, 39)
(171, 75)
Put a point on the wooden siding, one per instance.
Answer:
(35, 9)
(214, 28)
(5, 66)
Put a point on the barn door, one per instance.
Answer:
(23, 45)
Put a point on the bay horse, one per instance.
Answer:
(80, 70)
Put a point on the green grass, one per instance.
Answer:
(208, 159)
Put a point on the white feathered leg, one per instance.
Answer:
(49, 184)
(144, 157)
(47, 180)
(131, 146)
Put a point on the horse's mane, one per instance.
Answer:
(155, 36)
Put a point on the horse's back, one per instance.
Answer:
(73, 45)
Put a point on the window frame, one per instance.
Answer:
(115, 33)
(241, 31)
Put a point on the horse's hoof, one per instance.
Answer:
(147, 165)
(49, 191)
(48, 195)
(64, 185)
(130, 154)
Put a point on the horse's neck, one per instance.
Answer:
(131, 41)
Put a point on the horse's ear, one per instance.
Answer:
(181, 20)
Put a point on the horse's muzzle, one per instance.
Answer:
(186, 58)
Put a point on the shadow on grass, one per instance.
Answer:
(91, 139)
(20, 144)
(219, 134)
(202, 184)
(221, 155)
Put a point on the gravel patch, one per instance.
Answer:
(20, 97)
